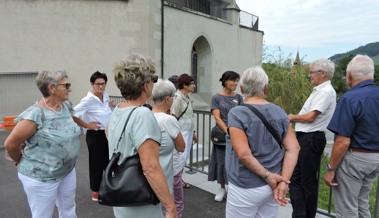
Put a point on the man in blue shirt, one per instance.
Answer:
(354, 162)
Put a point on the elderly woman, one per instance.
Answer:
(46, 167)
(258, 169)
(183, 111)
(94, 112)
(221, 104)
(172, 139)
(135, 80)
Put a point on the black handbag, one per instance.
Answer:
(218, 136)
(125, 185)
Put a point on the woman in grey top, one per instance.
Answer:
(258, 170)
(221, 104)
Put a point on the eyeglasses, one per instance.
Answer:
(317, 71)
(67, 85)
(100, 84)
(154, 78)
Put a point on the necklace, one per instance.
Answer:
(130, 102)
(52, 108)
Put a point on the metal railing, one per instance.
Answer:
(201, 152)
(215, 8)
(248, 20)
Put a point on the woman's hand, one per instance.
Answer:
(194, 137)
(93, 125)
(280, 193)
(112, 104)
(274, 179)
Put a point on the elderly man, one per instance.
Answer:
(310, 129)
(354, 162)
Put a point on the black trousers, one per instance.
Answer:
(98, 157)
(304, 180)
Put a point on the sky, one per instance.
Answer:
(317, 28)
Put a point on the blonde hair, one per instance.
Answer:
(131, 73)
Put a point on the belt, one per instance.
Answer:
(363, 150)
(303, 133)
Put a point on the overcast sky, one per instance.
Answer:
(318, 28)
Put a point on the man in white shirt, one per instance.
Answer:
(310, 126)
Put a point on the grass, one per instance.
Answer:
(324, 190)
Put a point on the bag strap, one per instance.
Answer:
(265, 122)
(123, 130)
(183, 112)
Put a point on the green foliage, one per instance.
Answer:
(288, 88)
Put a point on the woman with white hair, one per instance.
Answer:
(172, 140)
(46, 167)
(258, 169)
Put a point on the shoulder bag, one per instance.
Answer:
(183, 112)
(125, 185)
(218, 136)
(266, 123)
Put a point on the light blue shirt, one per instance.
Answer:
(141, 126)
(51, 152)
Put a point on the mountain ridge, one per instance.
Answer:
(370, 49)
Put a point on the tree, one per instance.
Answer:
(288, 87)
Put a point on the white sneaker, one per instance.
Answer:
(220, 195)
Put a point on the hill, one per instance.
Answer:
(371, 49)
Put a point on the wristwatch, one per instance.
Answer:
(329, 168)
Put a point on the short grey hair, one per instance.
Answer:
(325, 65)
(46, 78)
(131, 73)
(253, 81)
(361, 66)
(162, 89)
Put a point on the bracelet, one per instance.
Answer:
(267, 175)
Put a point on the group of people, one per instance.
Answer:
(259, 169)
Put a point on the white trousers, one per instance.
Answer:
(188, 139)
(43, 196)
(250, 203)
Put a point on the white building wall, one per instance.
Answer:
(82, 36)
(233, 47)
(79, 36)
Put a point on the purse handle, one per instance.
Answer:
(266, 123)
(123, 130)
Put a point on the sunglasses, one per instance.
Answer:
(67, 85)
(154, 78)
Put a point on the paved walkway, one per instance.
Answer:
(199, 202)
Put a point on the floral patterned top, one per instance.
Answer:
(51, 152)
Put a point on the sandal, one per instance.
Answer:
(186, 185)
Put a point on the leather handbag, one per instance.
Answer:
(218, 136)
(125, 185)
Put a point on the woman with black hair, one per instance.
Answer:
(221, 103)
(93, 113)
